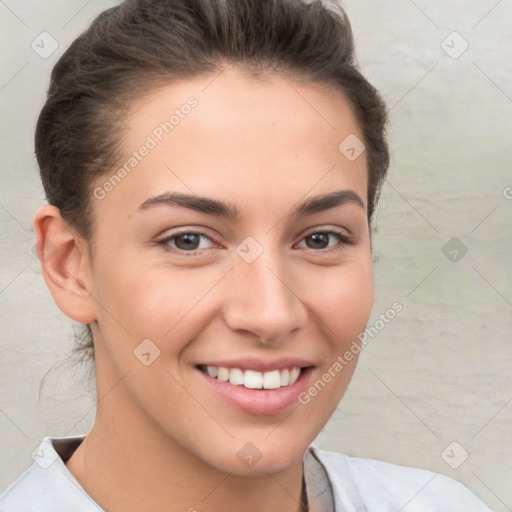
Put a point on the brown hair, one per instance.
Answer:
(139, 45)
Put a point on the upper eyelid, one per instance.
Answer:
(321, 229)
(204, 231)
(194, 231)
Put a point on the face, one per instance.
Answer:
(214, 252)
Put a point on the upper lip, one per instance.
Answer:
(259, 365)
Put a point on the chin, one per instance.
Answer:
(263, 456)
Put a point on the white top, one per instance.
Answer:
(334, 483)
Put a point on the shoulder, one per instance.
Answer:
(47, 485)
(386, 487)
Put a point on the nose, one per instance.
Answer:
(264, 300)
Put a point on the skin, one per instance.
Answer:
(161, 438)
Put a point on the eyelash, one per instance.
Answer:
(342, 237)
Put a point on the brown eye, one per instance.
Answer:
(319, 240)
(188, 241)
(185, 242)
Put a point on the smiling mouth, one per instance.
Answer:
(252, 379)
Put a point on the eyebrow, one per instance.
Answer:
(229, 211)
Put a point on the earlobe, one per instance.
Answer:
(65, 264)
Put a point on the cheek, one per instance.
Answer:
(140, 300)
(344, 310)
(347, 302)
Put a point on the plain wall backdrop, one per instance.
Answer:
(433, 386)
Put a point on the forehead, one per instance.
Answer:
(232, 133)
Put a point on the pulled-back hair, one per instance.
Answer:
(140, 45)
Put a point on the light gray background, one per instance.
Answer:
(440, 371)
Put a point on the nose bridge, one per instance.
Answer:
(264, 300)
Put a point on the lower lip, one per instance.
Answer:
(261, 402)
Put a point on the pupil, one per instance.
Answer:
(190, 239)
(319, 237)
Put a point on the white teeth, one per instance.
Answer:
(294, 375)
(251, 379)
(223, 374)
(213, 371)
(272, 380)
(236, 376)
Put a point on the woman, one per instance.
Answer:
(212, 168)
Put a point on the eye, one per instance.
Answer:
(320, 239)
(187, 241)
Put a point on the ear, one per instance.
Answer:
(65, 264)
